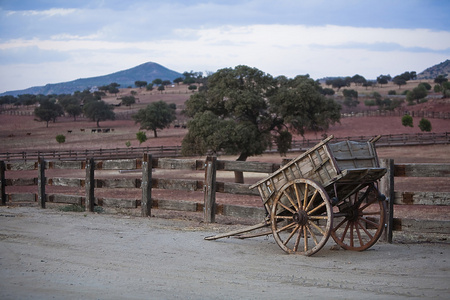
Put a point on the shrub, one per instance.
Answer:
(60, 138)
(437, 88)
(369, 102)
(392, 92)
(407, 121)
(426, 85)
(425, 125)
(141, 137)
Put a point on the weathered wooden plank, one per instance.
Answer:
(180, 164)
(61, 164)
(423, 226)
(422, 170)
(22, 197)
(69, 199)
(118, 164)
(21, 181)
(118, 203)
(256, 213)
(175, 184)
(22, 165)
(246, 166)
(62, 181)
(175, 205)
(422, 198)
(116, 183)
(235, 188)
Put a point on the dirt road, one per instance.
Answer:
(48, 254)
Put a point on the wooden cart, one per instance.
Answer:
(329, 190)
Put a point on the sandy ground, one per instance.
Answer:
(48, 254)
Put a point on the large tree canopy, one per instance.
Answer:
(157, 115)
(243, 111)
(98, 110)
(48, 110)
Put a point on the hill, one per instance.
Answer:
(146, 72)
(440, 69)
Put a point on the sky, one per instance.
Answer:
(51, 41)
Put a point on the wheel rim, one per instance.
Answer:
(301, 209)
(358, 225)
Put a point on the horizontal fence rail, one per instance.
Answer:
(209, 186)
(127, 115)
(390, 140)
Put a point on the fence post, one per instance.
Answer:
(2, 183)
(210, 190)
(90, 184)
(41, 182)
(146, 202)
(387, 188)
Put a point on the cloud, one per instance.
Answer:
(30, 55)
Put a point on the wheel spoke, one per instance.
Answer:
(285, 227)
(358, 233)
(290, 200)
(278, 217)
(312, 199)
(372, 201)
(305, 198)
(291, 235)
(345, 231)
(351, 235)
(340, 224)
(316, 208)
(368, 213)
(297, 194)
(286, 207)
(313, 235)
(297, 240)
(318, 217)
(317, 227)
(365, 230)
(370, 222)
(305, 238)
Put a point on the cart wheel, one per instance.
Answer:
(359, 222)
(301, 217)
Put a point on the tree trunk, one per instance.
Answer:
(98, 121)
(239, 175)
(155, 134)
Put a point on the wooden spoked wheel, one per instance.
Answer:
(301, 217)
(359, 220)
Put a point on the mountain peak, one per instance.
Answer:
(148, 71)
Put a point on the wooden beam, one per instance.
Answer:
(210, 190)
(90, 184)
(387, 188)
(422, 170)
(41, 182)
(146, 186)
(2, 183)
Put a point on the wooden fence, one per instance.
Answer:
(390, 140)
(208, 187)
(397, 113)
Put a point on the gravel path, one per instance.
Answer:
(48, 254)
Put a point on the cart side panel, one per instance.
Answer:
(354, 155)
(316, 165)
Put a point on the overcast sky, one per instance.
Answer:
(51, 41)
